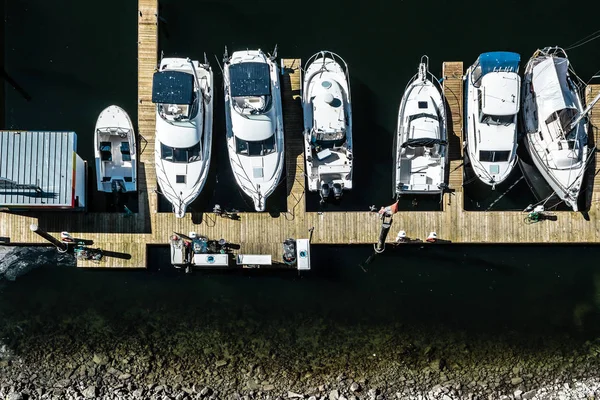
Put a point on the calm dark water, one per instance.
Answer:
(74, 59)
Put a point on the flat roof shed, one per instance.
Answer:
(41, 170)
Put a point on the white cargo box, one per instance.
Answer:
(323, 154)
(211, 260)
(254, 259)
(303, 254)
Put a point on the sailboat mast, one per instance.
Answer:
(585, 112)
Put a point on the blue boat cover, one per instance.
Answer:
(173, 87)
(250, 79)
(504, 60)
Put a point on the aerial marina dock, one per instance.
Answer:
(125, 239)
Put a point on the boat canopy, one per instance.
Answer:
(499, 61)
(250, 79)
(173, 87)
(551, 86)
(423, 142)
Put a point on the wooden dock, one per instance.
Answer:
(125, 239)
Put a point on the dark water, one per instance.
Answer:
(74, 59)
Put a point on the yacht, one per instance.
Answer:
(327, 125)
(115, 151)
(421, 136)
(182, 91)
(492, 87)
(556, 130)
(254, 122)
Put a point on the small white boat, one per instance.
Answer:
(492, 87)
(254, 121)
(556, 132)
(327, 112)
(421, 136)
(182, 91)
(115, 151)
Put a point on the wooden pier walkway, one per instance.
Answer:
(125, 239)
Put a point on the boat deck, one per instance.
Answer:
(125, 239)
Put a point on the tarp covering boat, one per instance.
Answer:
(495, 60)
(173, 87)
(551, 86)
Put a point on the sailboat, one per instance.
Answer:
(182, 91)
(254, 122)
(556, 130)
(327, 112)
(492, 87)
(421, 136)
(115, 151)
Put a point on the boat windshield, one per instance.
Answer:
(180, 155)
(490, 119)
(255, 147)
(494, 155)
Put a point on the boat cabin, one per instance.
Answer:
(329, 115)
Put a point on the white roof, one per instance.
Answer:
(253, 127)
(551, 88)
(328, 106)
(500, 92)
(424, 127)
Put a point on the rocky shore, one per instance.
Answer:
(77, 334)
(179, 361)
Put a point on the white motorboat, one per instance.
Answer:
(182, 91)
(556, 130)
(254, 122)
(115, 151)
(327, 112)
(421, 136)
(492, 88)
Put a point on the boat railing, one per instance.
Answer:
(324, 54)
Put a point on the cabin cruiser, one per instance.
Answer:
(327, 125)
(182, 91)
(492, 87)
(115, 151)
(254, 122)
(421, 136)
(556, 130)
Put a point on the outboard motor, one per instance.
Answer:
(325, 190)
(289, 251)
(337, 191)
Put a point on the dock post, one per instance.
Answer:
(386, 224)
(60, 246)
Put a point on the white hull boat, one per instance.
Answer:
(115, 152)
(556, 132)
(327, 113)
(182, 91)
(492, 88)
(254, 122)
(421, 137)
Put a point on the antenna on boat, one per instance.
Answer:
(218, 63)
(206, 64)
(274, 56)
(226, 56)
